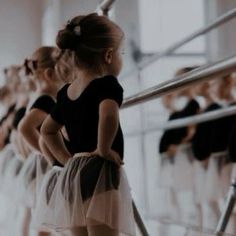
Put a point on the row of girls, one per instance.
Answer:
(61, 141)
(197, 161)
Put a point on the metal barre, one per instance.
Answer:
(212, 115)
(105, 6)
(203, 73)
(219, 21)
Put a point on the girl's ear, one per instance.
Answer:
(48, 73)
(108, 56)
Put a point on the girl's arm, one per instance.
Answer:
(29, 127)
(52, 137)
(107, 129)
(23, 145)
(45, 151)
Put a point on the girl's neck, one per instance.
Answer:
(209, 99)
(83, 79)
(48, 90)
(85, 76)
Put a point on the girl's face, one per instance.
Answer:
(203, 89)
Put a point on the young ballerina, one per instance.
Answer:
(63, 71)
(174, 148)
(209, 146)
(91, 196)
(222, 131)
(47, 84)
(42, 67)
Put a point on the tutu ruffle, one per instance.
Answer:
(183, 168)
(30, 179)
(87, 192)
(213, 189)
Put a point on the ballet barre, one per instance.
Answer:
(228, 209)
(168, 51)
(195, 119)
(202, 74)
(219, 21)
(105, 6)
(139, 221)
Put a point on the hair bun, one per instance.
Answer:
(67, 39)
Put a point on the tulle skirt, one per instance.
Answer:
(183, 168)
(30, 178)
(213, 188)
(44, 195)
(165, 177)
(10, 178)
(87, 192)
(225, 179)
(6, 156)
(199, 173)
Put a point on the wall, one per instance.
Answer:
(20, 28)
(220, 41)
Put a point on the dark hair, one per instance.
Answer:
(185, 70)
(88, 37)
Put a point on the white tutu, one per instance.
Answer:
(44, 194)
(199, 182)
(88, 192)
(183, 168)
(165, 177)
(6, 156)
(30, 178)
(226, 179)
(11, 176)
(213, 190)
(41, 171)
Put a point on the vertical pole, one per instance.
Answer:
(139, 221)
(229, 206)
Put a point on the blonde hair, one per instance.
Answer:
(64, 67)
(46, 57)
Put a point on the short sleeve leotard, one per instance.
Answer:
(44, 103)
(80, 116)
(175, 136)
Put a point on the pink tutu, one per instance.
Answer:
(87, 193)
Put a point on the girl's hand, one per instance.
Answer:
(111, 156)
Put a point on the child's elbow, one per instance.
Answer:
(22, 127)
(43, 130)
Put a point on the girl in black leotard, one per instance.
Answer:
(91, 196)
(47, 84)
(176, 169)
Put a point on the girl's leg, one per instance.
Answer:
(26, 222)
(102, 230)
(43, 234)
(79, 231)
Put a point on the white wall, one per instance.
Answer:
(220, 41)
(71, 8)
(20, 27)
